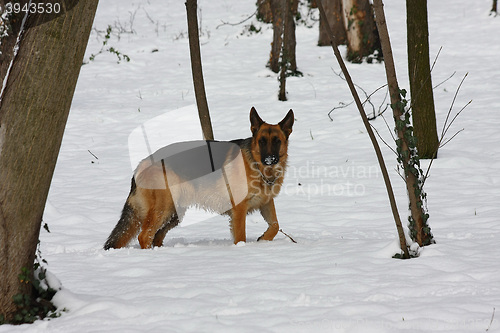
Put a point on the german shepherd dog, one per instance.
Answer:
(233, 178)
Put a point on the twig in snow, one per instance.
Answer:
(491, 321)
(284, 233)
(91, 153)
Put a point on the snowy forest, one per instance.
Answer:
(364, 123)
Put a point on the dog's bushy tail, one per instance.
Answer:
(126, 228)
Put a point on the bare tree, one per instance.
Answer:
(494, 8)
(288, 63)
(196, 68)
(422, 98)
(419, 228)
(33, 112)
(392, 200)
(289, 40)
(278, 20)
(283, 34)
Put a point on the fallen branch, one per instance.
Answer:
(284, 233)
(491, 321)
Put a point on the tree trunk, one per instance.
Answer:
(196, 68)
(422, 99)
(494, 7)
(420, 230)
(362, 36)
(283, 11)
(277, 9)
(290, 43)
(334, 12)
(33, 114)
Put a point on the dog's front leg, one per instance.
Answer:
(269, 214)
(238, 219)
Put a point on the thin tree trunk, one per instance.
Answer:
(421, 232)
(196, 68)
(378, 152)
(284, 51)
(289, 41)
(33, 114)
(283, 63)
(277, 9)
(334, 12)
(283, 12)
(494, 7)
(422, 99)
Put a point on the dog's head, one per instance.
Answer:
(270, 142)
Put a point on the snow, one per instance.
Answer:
(339, 276)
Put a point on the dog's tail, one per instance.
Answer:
(127, 227)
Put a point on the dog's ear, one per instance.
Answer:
(287, 123)
(255, 120)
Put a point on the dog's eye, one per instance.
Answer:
(276, 141)
(262, 141)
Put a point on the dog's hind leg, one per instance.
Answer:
(160, 234)
(269, 214)
(169, 224)
(161, 208)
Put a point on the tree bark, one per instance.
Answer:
(277, 9)
(33, 114)
(196, 68)
(12, 26)
(288, 63)
(422, 99)
(283, 12)
(362, 36)
(334, 12)
(264, 13)
(494, 7)
(421, 234)
(290, 43)
(284, 58)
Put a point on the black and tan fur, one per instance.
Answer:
(151, 211)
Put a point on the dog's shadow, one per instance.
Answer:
(184, 242)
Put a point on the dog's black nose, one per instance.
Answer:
(270, 160)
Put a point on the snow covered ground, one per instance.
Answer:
(340, 276)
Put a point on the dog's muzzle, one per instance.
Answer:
(270, 160)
